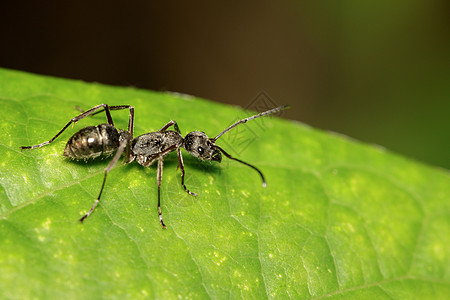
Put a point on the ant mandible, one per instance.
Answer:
(105, 139)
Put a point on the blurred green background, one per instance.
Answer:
(378, 71)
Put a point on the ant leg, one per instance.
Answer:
(131, 120)
(170, 123)
(74, 120)
(147, 163)
(247, 164)
(151, 159)
(181, 165)
(118, 107)
(116, 157)
(158, 180)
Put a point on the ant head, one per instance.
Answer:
(201, 146)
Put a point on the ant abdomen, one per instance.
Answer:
(92, 141)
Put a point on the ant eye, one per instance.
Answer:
(200, 150)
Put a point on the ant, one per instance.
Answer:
(105, 139)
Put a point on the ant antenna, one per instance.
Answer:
(247, 164)
(271, 111)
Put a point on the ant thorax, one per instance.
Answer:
(145, 147)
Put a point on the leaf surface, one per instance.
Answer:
(338, 219)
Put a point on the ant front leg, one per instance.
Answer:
(74, 120)
(170, 123)
(181, 166)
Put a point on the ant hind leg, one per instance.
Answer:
(74, 120)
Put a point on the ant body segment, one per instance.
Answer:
(105, 139)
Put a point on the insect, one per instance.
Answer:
(107, 140)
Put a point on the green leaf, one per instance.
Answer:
(338, 218)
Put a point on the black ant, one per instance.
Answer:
(105, 139)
